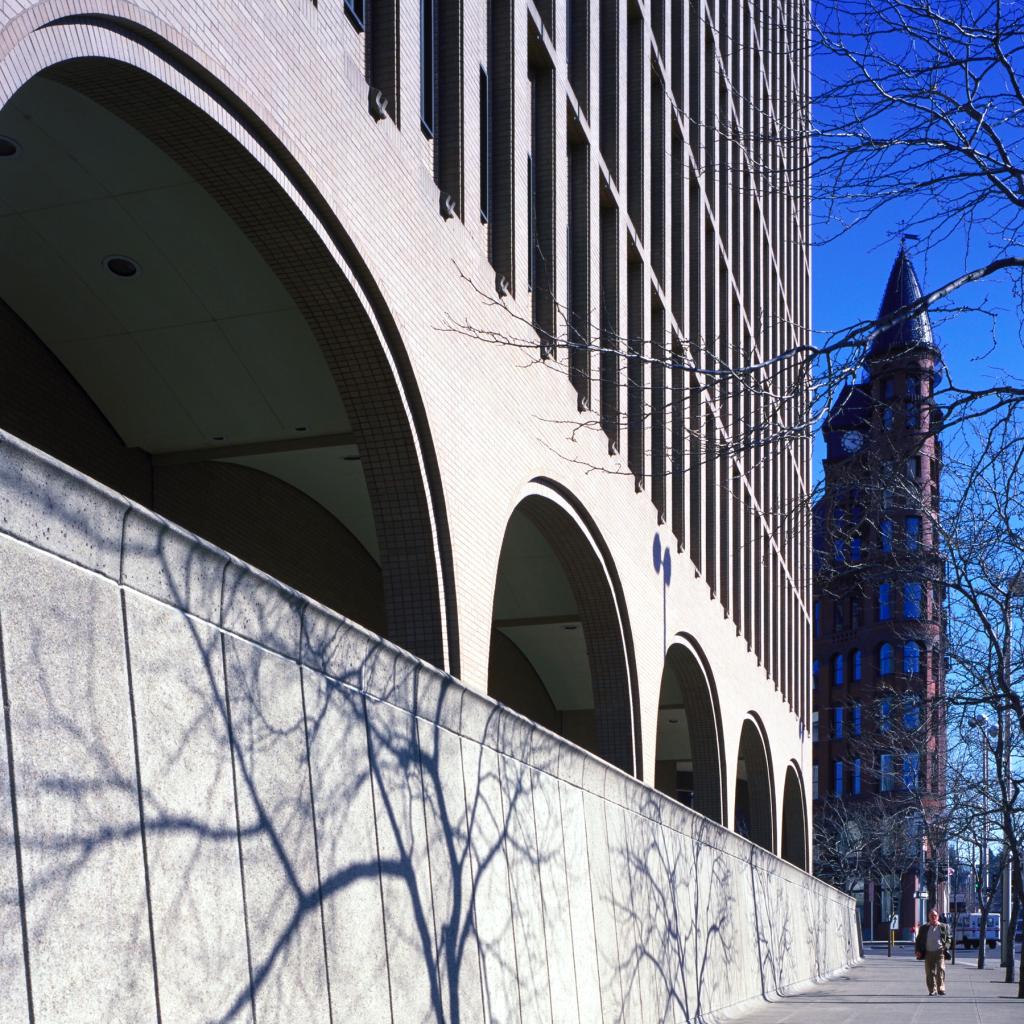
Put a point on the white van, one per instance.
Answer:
(968, 928)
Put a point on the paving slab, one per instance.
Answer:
(883, 989)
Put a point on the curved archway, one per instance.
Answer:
(794, 820)
(197, 315)
(754, 814)
(559, 643)
(688, 755)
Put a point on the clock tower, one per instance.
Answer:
(878, 730)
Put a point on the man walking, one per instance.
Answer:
(931, 945)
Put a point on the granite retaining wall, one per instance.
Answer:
(220, 801)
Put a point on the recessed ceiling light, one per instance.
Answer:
(353, 458)
(301, 429)
(569, 627)
(673, 721)
(218, 437)
(121, 266)
(8, 147)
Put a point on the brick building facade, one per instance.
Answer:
(402, 301)
(878, 672)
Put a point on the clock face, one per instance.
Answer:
(853, 441)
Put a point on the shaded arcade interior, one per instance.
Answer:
(173, 327)
(688, 755)
(557, 652)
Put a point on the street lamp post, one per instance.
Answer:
(981, 722)
(1014, 589)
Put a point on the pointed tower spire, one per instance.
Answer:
(902, 289)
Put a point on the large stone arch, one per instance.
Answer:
(754, 808)
(794, 819)
(560, 644)
(689, 761)
(144, 82)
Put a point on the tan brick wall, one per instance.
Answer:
(290, 77)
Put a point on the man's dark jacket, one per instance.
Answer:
(921, 942)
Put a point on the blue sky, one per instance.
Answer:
(851, 267)
(849, 276)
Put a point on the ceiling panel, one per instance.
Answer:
(559, 656)
(131, 393)
(286, 364)
(331, 477)
(86, 233)
(207, 249)
(72, 149)
(530, 577)
(32, 272)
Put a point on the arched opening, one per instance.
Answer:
(558, 644)
(794, 820)
(754, 816)
(688, 755)
(174, 325)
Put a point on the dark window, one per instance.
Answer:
(911, 657)
(837, 778)
(886, 780)
(911, 771)
(885, 661)
(884, 609)
(427, 69)
(856, 669)
(355, 10)
(912, 600)
(912, 532)
(912, 713)
(855, 777)
(886, 532)
(856, 612)
(531, 231)
(837, 723)
(485, 147)
(855, 720)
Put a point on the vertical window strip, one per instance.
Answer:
(382, 53)
(659, 408)
(500, 71)
(448, 105)
(485, 147)
(635, 367)
(657, 161)
(609, 86)
(542, 205)
(636, 68)
(609, 362)
(577, 42)
(678, 405)
(578, 254)
(428, 79)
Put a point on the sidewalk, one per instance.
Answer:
(884, 990)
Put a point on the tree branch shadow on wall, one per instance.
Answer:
(339, 843)
(315, 826)
(679, 902)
